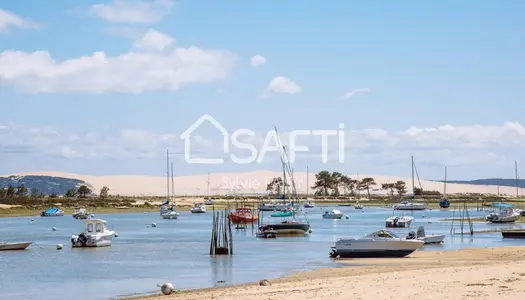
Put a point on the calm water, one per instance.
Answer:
(177, 251)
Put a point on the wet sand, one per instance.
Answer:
(479, 273)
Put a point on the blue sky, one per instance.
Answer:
(439, 80)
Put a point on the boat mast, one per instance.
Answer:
(208, 187)
(516, 171)
(172, 186)
(413, 185)
(445, 184)
(307, 186)
(167, 174)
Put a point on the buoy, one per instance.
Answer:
(32, 220)
(429, 221)
(153, 225)
(54, 229)
(264, 282)
(422, 216)
(167, 288)
(59, 247)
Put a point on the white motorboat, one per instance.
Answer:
(382, 243)
(274, 206)
(169, 214)
(81, 213)
(399, 221)
(308, 204)
(96, 234)
(5, 246)
(426, 238)
(198, 208)
(358, 206)
(334, 214)
(208, 202)
(408, 205)
(505, 216)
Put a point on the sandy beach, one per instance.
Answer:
(479, 273)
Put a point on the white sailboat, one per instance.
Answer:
(207, 200)
(167, 211)
(408, 202)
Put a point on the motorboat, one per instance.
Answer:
(208, 202)
(52, 212)
(399, 221)
(426, 238)
(358, 206)
(505, 216)
(444, 203)
(308, 204)
(382, 243)
(274, 206)
(409, 205)
(334, 214)
(169, 214)
(81, 213)
(281, 214)
(292, 227)
(242, 215)
(198, 208)
(6, 246)
(95, 234)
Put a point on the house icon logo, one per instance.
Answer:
(186, 136)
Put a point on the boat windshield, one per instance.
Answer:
(382, 234)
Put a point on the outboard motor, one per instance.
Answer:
(395, 221)
(411, 235)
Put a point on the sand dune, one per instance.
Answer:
(238, 183)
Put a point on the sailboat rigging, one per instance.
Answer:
(168, 209)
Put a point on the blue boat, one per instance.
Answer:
(444, 203)
(287, 213)
(52, 212)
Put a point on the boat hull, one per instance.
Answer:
(504, 219)
(373, 253)
(288, 228)
(333, 216)
(432, 239)
(103, 240)
(401, 222)
(170, 215)
(410, 207)
(348, 248)
(513, 234)
(14, 246)
(242, 216)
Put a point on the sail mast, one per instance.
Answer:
(445, 184)
(208, 186)
(307, 185)
(516, 171)
(172, 185)
(167, 174)
(413, 185)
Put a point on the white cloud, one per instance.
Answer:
(133, 11)
(154, 41)
(281, 84)
(132, 72)
(257, 60)
(353, 93)
(10, 20)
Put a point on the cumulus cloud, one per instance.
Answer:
(142, 69)
(450, 145)
(281, 84)
(132, 11)
(257, 60)
(9, 20)
(354, 92)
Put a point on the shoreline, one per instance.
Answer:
(466, 273)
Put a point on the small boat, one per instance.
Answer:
(5, 246)
(444, 203)
(274, 206)
(308, 204)
(169, 214)
(198, 208)
(288, 227)
(358, 206)
(81, 213)
(52, 212)
(426, 238)
(334, 214)
(242, 215)
(96, 234)
(382, 243)
(507, 216)
(399, 221)
(408, 205)
(513, 234)
(268, 233)
(282, 214)
(208, 202)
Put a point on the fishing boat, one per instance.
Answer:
(282, 214)
(52, 212)
(399, 221)
(168, 209)
(242, 215)
(7, 246)
(426, 238)
(95, 234)
(333, 214)
(382, 243)
(198, 208)
(81, 213)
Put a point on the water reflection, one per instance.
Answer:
(221, 267)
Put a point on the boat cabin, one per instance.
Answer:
(382, 234)
(95, 226)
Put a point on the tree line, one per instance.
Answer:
(21, 191)
(336, 184)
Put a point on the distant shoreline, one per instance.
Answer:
(490, 272)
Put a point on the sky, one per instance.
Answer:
(106, 87)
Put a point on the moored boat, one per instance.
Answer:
(8, 246)
(52, 212)
(242, 215)
(282, 214)
(513, 234)
(81, 213)
(288, 228)
(198, 208)
(95, 234)
(382, 243)
(426, 238)
(399, 221)
(333, 214)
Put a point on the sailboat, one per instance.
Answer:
(507, 213)
(407, 203)
(169, 211)
(288, 227)
(444, 203)
(308, 203)
(207, 200)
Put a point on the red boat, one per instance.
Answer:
(243, 215)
